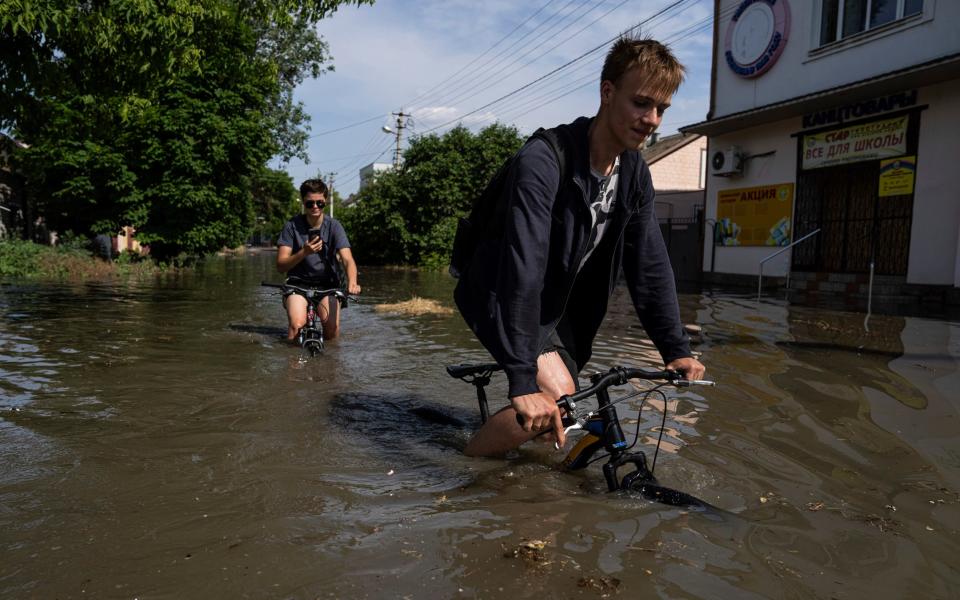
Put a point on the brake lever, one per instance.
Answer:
(576, 425)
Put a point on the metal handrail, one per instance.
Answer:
(778, 253)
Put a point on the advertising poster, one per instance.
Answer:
(897, 176)
(755, 216)
(870, 141)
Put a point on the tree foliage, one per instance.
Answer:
(159, 115)
(275, 198)
(410, 216)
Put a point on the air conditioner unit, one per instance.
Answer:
(725, 163)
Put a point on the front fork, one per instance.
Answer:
(604, 432)
(311, 334)
(616, 444)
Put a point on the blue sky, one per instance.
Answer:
(449, 61)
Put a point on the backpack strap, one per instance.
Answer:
(558, 139)
(489, 209)
(328, 254)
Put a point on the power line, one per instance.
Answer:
(350, 157)
(543, 90)
(401, 125)
(560, 68)
(345, 127)
(481, 84)
(367, 150)
(516, 103)
(480, 78)
(356, 175)
(550, 74)
(482, 54)
(529, 106)
(489, 65)
(461, 70)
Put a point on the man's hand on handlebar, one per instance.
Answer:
(691, 368)
(353, 289)
(540, 412)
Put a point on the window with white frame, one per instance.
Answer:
(843, 18)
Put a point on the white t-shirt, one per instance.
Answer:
(602, 206)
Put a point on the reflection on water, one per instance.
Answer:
(161, 439)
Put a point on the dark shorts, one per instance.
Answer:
(332, 303)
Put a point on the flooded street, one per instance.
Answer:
(159, 440)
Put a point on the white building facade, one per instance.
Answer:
(840, 116)
(369, 172)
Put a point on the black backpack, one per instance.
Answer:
(488, 214)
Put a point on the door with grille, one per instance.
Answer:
(856, 225)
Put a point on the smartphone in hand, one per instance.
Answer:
(313, 233)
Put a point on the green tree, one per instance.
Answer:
(156, 115)
(275, 200)
(410, 216)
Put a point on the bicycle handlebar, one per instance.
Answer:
(620, 376)
(313, 293)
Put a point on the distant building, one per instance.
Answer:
(840, 117)
(370, 171)
(677, 164)
(678, 167)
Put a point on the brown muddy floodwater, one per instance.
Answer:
(159, 441)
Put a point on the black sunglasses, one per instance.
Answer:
(312, 203)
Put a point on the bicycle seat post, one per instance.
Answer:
(480, 382)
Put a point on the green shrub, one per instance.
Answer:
(26, 259)
(19, 258)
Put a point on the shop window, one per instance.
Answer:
(843, 18)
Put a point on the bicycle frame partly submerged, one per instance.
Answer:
(603, 430)
(310, 336)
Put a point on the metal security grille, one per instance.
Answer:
(855, 224)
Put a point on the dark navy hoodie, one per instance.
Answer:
(517, 287)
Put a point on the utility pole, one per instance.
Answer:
(328, 179)
(331, 176)
(401, 125)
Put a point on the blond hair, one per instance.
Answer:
(664, 71)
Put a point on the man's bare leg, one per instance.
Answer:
(296, 306)
(501, 433)
(330, 323)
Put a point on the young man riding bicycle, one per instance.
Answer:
(308, 249)
(536, 297)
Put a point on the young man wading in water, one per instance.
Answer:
(311, 258)
(536, 297)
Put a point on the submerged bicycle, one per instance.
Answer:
(602, 427)
(310, 336)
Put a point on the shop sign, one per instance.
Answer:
(755, 216)
(897, 176)
(869, 141)
(859, 110)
